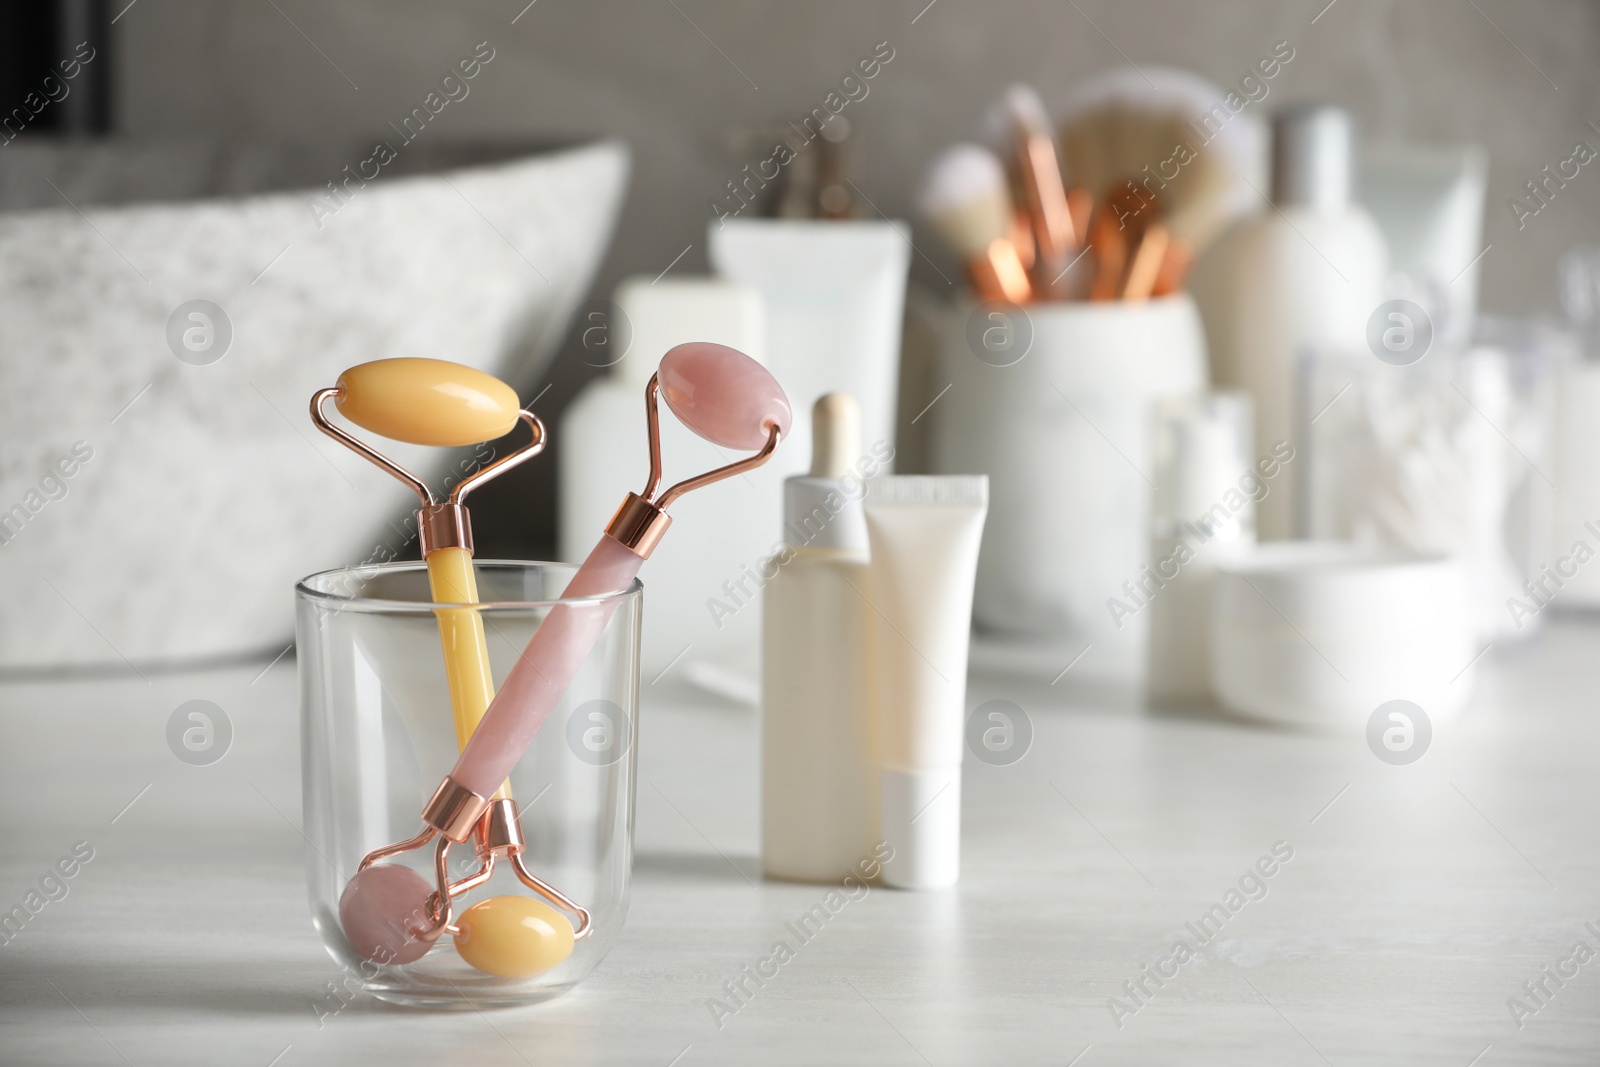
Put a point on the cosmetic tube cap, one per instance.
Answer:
(921, 822)
(1312, 156)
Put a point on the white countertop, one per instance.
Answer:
(1419, 898)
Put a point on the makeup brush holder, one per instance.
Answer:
(377, 736)
(1053, 402)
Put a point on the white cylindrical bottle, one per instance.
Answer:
(1307, 272)
(818, 781)
(1203, 514)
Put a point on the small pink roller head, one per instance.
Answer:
(723, 395)
(381, 907)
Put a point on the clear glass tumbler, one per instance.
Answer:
(377, 736)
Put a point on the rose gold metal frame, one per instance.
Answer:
(452, 815)
(499, 836)
(440, 523)
(642, 518)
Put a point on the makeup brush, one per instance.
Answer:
(1080, 206)
(1145, 265)
(1158, 131)
(1022, 237)
(1174, 268)
(1019, 122)
(1115, 234)
(1108, 241)
(1047, 203)
(965, 197)
(1004, 122)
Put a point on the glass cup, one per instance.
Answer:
(377, 736)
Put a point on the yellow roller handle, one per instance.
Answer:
(509, 936)
(466, 649)
(437, 402)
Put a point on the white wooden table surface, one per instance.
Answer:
(1418, 900)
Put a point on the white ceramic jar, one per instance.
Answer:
(1053, 402)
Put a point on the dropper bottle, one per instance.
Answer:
(818, 780)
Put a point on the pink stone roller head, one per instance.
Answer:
(385, 891)
(725, 397)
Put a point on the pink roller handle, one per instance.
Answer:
(724, 396)
(545, 668)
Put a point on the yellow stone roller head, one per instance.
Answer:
(427, 401)
(513, 937)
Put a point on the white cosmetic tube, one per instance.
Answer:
(924, 534)
(1429, 204)
(834, 295)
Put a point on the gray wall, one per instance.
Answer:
(1521, 78)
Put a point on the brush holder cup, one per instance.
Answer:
(377, 736)
(1053, 401)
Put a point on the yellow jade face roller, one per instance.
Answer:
(435, 402)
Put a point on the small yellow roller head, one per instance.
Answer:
(427, 401)
(513, 937)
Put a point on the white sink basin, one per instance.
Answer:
(206, 492)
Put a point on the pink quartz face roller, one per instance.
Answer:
(390, 913)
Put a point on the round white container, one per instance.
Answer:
(1308, 633)
(1060, 422)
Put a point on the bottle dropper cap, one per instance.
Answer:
(1313, 149)
(822, 509)
(835, 435)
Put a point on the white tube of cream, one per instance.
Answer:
(924, 534)
(834, 297)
